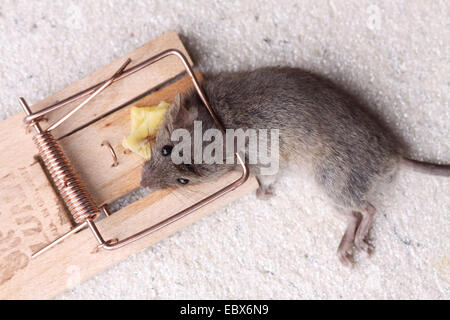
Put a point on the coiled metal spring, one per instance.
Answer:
(75, 195)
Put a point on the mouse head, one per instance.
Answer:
(161, 171)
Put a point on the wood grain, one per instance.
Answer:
(76, 259)
(121, 91)
(93, 162)
(31, 214)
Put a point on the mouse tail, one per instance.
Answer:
(427, 167)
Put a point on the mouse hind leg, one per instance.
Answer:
(348, 187)
(345, 249)
(362, 234)
(356, 235)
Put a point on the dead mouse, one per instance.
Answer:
(321, 127)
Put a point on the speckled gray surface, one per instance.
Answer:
(394, 55)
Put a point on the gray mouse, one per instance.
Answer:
(321, 127)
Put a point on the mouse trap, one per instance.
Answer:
(63, 162)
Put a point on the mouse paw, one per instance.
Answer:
(364, 246)
(345, 251)
(265, 193)
(346, 257)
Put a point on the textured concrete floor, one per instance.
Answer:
(394, 55)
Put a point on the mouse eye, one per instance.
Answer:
(166, 150)
(182, 180)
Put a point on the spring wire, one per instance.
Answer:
(73, 192)
(75, 195)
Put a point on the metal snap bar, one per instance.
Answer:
(73, 192)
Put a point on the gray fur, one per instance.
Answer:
(321, 127)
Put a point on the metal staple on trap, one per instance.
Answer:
(76, 197)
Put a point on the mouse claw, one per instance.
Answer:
(364, 246)
(346, 258)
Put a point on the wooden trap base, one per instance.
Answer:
(31, 213)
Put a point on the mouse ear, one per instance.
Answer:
(173, 111)
(179, 115)
(175, 107)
